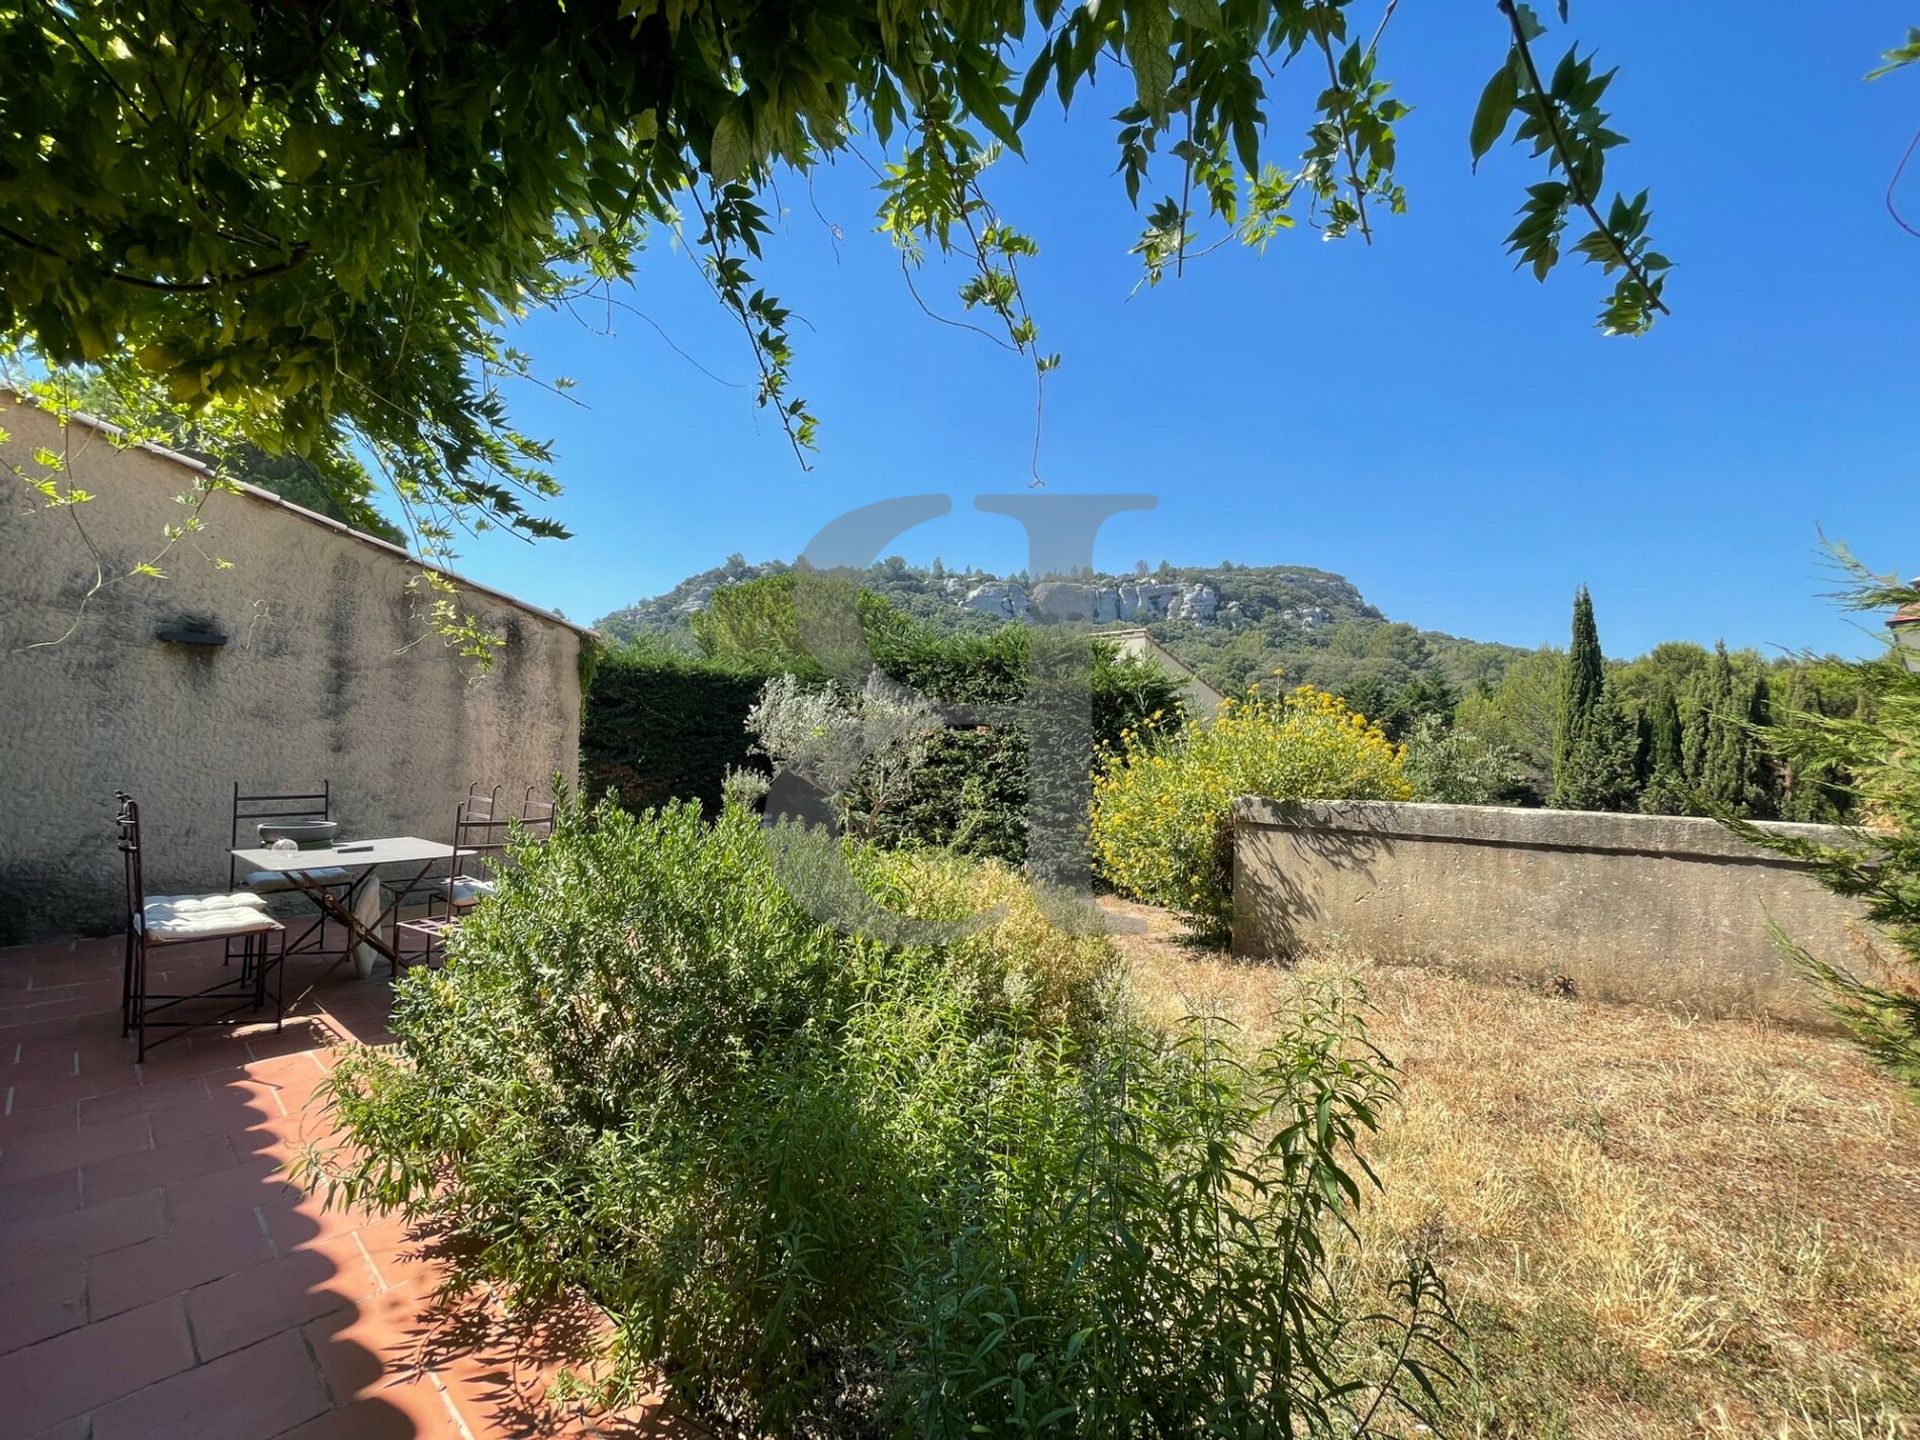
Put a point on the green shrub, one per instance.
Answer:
(1020, 968)
(830, 1186)
(658, 725)
(1162, 813)
(973, 792)
(1873, 758)
(1458, 767)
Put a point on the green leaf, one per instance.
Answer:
(1494, 110)
(1036, 82)
(1203, 15)
(1900, 57)
(732, 147)
(1149, 43)
(984, 104)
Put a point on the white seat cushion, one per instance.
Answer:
(164, 923)
(269, 882)
(466, 889)
(207, 902)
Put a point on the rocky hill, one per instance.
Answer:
(1233, 623)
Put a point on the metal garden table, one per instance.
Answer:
(361, 912)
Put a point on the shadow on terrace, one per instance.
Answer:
(162, 1277)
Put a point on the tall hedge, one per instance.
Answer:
(663, 725)
(972, 794)
(660, 726)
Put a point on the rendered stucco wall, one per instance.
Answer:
(1655, 909)
(331, 672)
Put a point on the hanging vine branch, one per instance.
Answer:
(1562, 120)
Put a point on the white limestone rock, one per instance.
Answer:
(1002, 599)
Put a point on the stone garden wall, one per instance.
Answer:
(331, 671)
(1654, 909)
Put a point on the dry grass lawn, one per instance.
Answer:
(1652, 1225)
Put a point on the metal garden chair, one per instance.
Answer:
(249, 811)
(481, 833)
(156, 921)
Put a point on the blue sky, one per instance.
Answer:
(1450, 435)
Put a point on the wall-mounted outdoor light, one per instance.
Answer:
(190, 633)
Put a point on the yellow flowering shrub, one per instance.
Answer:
(1162, 829)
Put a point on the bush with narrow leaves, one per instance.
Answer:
(831, 1186)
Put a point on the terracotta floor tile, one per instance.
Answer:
(100, 1047)
(181, 1059)
(262, 1100)
(83, 1369)
(53, 1194)
(64, 1089)
(171, 1263)
(25, 1061)
(301, 1219)
(298, 1070)
(374, 1344)
(415, 1266)
(227, 1109)
(302, 1034)
(34, 1246)
(264, 1143)
(412, 1411)
(156, 1196)
(31, 1053)
(280, 1295)
(40, 1306)
(48, 1151)
(67, 1013)
(233, 1191)
(79, 1428)
(48, 1120)
(136, 1099)
(259, 1391)
(127, 1174)
(80, 985)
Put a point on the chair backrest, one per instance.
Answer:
(536, 813)
(482, 826)
(128, 821)
(480, 831)
(251, 809)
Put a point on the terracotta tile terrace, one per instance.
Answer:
(161, 1276)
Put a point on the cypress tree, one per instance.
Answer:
(1722, 780)
(1665, 791)
(1581, 681)
(1596, 742)
(1694, 727)
(1762, 794)
(1807, 789)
